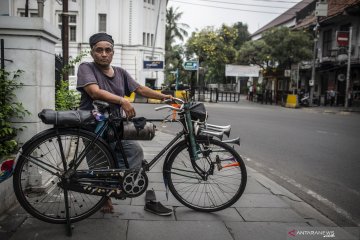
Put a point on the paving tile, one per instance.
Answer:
(177, 230)
(137, 213)
(157, 186)
(156, 177)
(258, 230)
(160, 196)
(270, 215)
(260, 200)
(152, 149)
(105, 229)
(187, 214)
(253, 186)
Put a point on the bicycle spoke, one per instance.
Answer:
(38, 174)
(215, 189)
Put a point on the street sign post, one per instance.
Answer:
(191, 65)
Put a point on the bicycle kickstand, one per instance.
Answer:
(67, 212)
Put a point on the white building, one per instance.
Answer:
(137, 27)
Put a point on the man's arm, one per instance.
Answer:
(99, 94)
(149, 93)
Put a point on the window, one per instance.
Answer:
(102, 22)
(144, 38)
(147, 39)
(32, 13)
(72, 34)
(72, 19)
(326, 49)
(71, 71)
(152, 39)
(72, 26)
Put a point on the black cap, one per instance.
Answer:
(97, 37)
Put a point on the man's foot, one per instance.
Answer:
(107, 207)
(157, 208)
(150, 196)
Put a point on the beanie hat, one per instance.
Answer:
(97, 37)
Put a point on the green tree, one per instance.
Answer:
(243, 34)
(278, 49)
(215, 48)
(256, 53)
(287, 46)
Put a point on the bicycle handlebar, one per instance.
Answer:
(176, 100)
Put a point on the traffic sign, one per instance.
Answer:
(190, 65)
(342, 38)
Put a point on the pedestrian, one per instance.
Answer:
(99, 80)
(350, 98)
(332, 95)
(251, 93)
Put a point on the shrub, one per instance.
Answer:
(10, 108)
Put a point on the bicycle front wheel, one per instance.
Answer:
(38, 176)
(215, 181)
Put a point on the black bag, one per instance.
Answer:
(67, 118)
(198, 112)
(138, 129)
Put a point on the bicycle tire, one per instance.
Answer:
(222, 188)
(38, 191)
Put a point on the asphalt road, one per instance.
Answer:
(313, 154)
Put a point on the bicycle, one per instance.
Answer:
(64, 174)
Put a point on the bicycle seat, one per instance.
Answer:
(67, 118)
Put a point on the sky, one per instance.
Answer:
(255, 13)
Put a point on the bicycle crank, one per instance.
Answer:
(134, 183)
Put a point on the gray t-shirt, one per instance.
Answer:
(120, 84)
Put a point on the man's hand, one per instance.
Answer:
(128, 108)
(165, 97)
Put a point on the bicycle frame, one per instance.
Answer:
(108, 182)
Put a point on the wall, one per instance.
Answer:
(30, 45)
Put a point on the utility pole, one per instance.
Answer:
(321, 10)
(156, 31)
(65, 38)
(27, 8)
(312, 80)
(347, 90)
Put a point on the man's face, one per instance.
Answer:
(102, 53)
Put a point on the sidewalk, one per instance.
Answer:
(265, 211)
(318, 109)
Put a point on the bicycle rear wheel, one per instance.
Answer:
(225, 181)
(39, 173)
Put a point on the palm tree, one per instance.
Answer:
(174, 29)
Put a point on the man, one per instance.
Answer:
(98, 80)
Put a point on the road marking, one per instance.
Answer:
(317, 196)
(324, 132)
